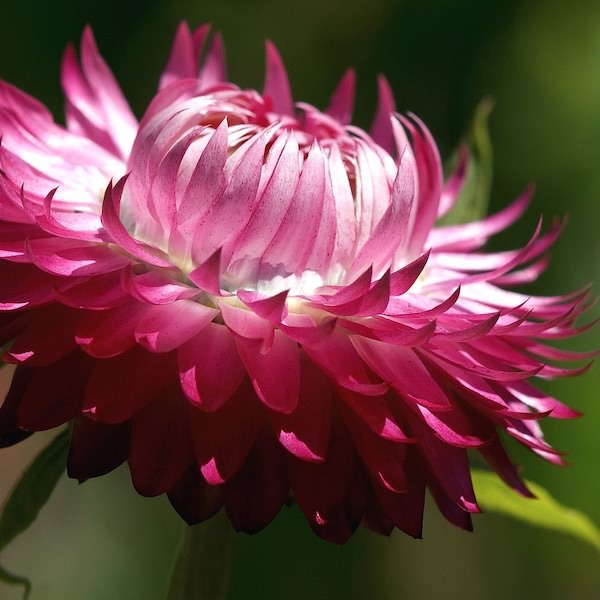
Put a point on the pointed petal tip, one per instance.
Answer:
(277, 85)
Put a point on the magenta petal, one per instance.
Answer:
(403, 279)
(116, 229)
(383, 459)
(272, 309)
(109, 333)
(497, 458)
(384, 242)
(202, 361)
(247, 324)
(165, 327)
(155, 288)
(73, 258)
(448, 466)
(336, 355)
(430, 178)
(10, 433)
(304, 330)
(207, 276)
(404, 510)
(372, 302)
(291, 245)
(404, 371)
(95, 293)
(207, 182)
(305, 431)
(275, 374)
(321, 490)
(375, 412)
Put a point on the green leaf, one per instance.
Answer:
(29, 495)
(542, 511)
(474, 198)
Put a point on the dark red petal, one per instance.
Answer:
(305, 431)
(10, 433)
(256, 493)
(404, 511)
(161, 445)
(96, 448)
(54, 394)
(48, 336)
(322, 491)
(120, 387)
(111, 332)
(194, 499)
(223, 439)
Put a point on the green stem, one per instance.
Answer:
(203, 567)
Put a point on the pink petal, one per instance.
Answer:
(342, 101)
(64, 257)
(381, 129)
(272, 308)
(226, 218)
(277, 86)
(185, 53)
(115, 228)
(94, 91)
(214, 70)
(155, 288)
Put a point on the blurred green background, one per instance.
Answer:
(540, 60)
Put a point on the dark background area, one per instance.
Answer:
(540, 61)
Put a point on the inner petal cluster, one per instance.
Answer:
(287, 201)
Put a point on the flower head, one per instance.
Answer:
(249, 300)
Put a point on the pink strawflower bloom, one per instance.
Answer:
(249, 301)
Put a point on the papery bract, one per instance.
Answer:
(249, 301)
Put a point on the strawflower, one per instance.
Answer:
(249, 301)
